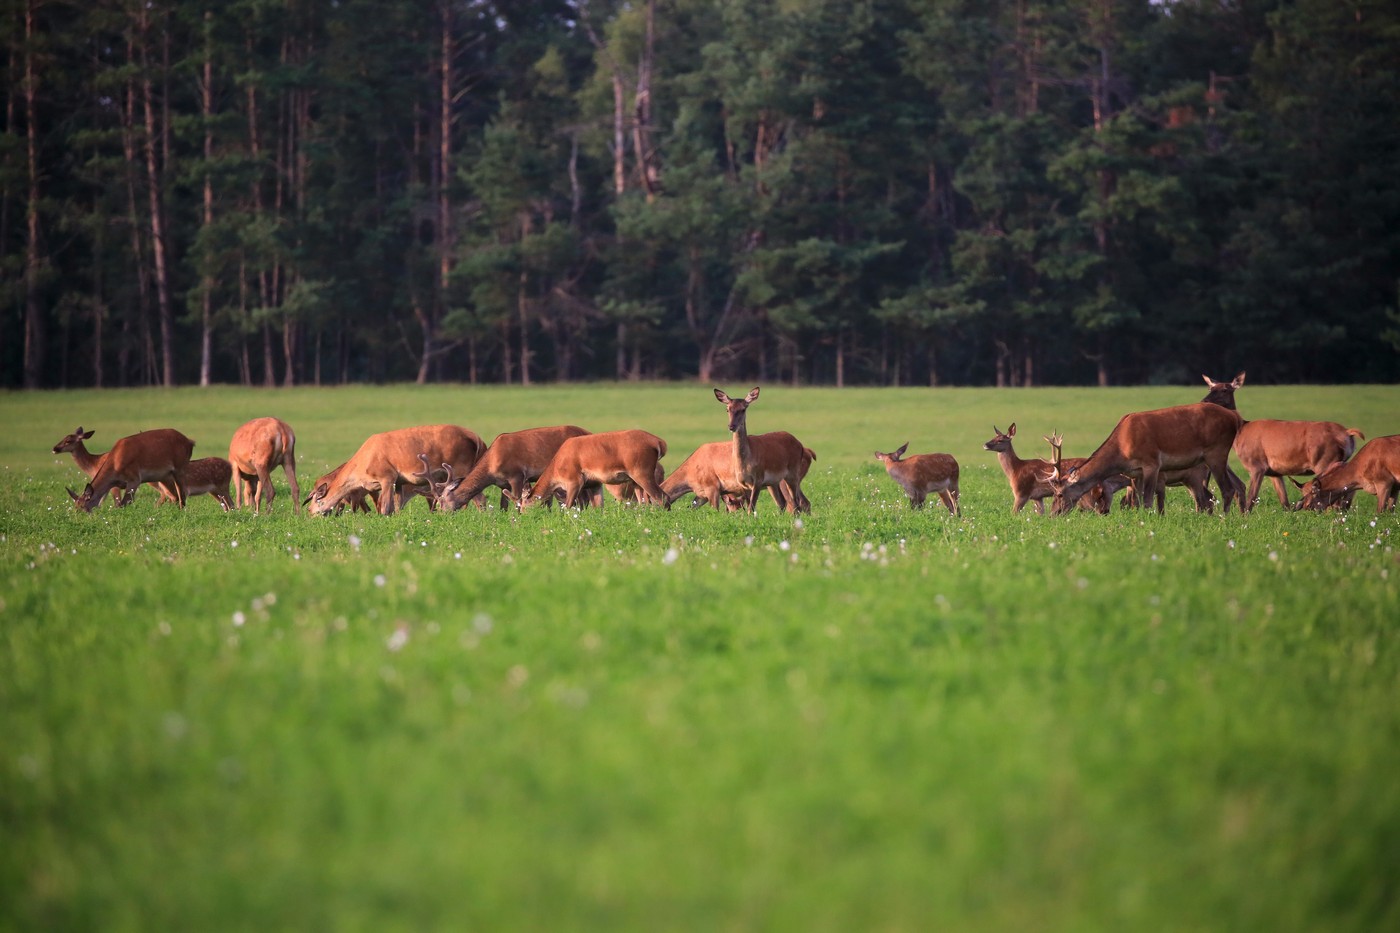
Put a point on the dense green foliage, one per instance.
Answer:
(891, 192)
(638, 719)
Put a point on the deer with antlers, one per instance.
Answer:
(1027, 478)
(386, 466)
(1279, 449)
(258, 448)
(148, 457)
(922, 474)
(775, 460)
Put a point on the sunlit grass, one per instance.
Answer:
(868, 718)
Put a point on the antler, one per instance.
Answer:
(1056, 441)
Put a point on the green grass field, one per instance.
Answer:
(632, 719)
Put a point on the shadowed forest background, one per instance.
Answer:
(892, 192)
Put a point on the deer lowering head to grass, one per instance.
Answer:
(356, 500)
(149, 457)
(1144, 444)
(258, 448)
(588, 461)
(775, 460)
(512, 462)
(387, 466)
(210, 475)
(85, 460)
(922, 474)
(1375, 469)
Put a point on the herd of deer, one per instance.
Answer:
(1186, 445)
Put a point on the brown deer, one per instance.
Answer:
(1195, 479)
(1375, 469)
(387, 465)
(1098, 499)
(148, 457)
(86, 460)
(210, 475)
(708, 473)
(779, 462)
(512, 462)
(591, 460)
(1028, 478)
(1279, 449)
(356, 500)
(258, 448)
(922, 474)
(1144, 444)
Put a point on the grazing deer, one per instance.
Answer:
(512, 462)
(591, 460)
(86, 461)
(1279, 449)
(149, 457)
(1375, 469)
(1144, 444)
(257, 448)
(210, 475)
(778, 462)
(1098, 499)
(356, 499)
(387, 465)
(708, 473)
(1028, 478)
(922, 474)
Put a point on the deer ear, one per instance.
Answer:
(1239, 380)
(719, 394)
(753, 394)
(71, 494)
(87, 434)
(1209, 381)
(900, 452)
(1011, 431)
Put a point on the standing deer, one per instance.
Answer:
(1027, 478)
(587, 461)
(1279, 449)
(258, 448)
(210, 475)
(922, 474)
(386, 466)
(1144, 444)
(86, 461)
(1374, 469)
(149, 457)
(513, 461)
(778, 462)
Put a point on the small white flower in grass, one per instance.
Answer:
(354, 541)
(1230, 544)
(422, 544)
(784, 546)
(230, 544)
(1273, 555)
(748, 541)
(671, 556)
(399, 638)
(239, 618)
(797, 524)
(379, 579)
(482, 623)
(457, 556)
(1053, 545)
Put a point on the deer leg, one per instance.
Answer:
(289, 467)
(1281, 489)
(1256, 482)
(647, 481)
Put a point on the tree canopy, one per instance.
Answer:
(1008, 192)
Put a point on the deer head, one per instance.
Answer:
(893, 456)
(1001, 441)
(1223, 393)
(72, 441)
(737, 407)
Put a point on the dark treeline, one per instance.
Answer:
(915, 192)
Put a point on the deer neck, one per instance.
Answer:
(85, 460)
(742, 454)
(1008, 460)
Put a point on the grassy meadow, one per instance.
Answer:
(631, 719)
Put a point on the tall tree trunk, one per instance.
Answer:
(153, 176)
(34, 322)
(641, 110)
(148, 368)
(206, 103)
